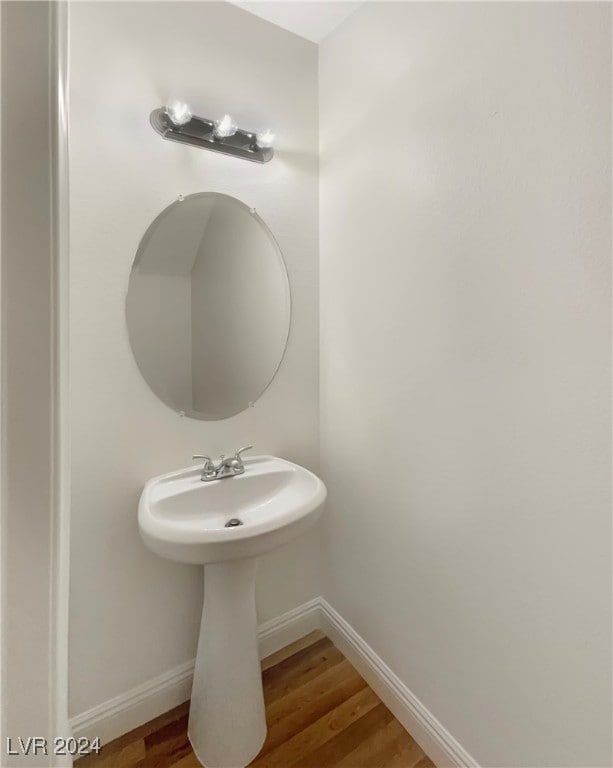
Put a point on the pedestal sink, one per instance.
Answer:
(184, 519)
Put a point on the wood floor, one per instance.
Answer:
(320, 714)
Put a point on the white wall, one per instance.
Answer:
(465, 212)
(133, 615)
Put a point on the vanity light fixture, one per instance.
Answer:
(177, 123)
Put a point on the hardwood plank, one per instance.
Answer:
(319, 732)
(407, 754)
(292, 648)
(126, 757)
(305, 705)
(165, 759)
(330, 753)
(117, 745)
(167, 732)
(299, 669)
(166, 746)
(424, 762)
(371, 753)
(298, 661)
(189, 761)
(301, 695)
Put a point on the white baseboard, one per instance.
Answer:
(129, 710)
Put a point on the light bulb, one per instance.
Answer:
(266, 139)
(179, 113)
(225, 127)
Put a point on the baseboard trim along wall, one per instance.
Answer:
(428, 732)
(129, 710)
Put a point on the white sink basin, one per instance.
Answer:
(183, 518)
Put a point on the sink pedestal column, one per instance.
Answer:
(227, 723)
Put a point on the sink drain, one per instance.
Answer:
(233, 522)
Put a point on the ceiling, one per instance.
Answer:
(312, 20)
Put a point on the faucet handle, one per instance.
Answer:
(208, 462)
(236, 463)
(237, 455)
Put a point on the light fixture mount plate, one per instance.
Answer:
(199, 132)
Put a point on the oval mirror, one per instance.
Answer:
(208, 306)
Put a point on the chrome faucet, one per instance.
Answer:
(227, 467)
